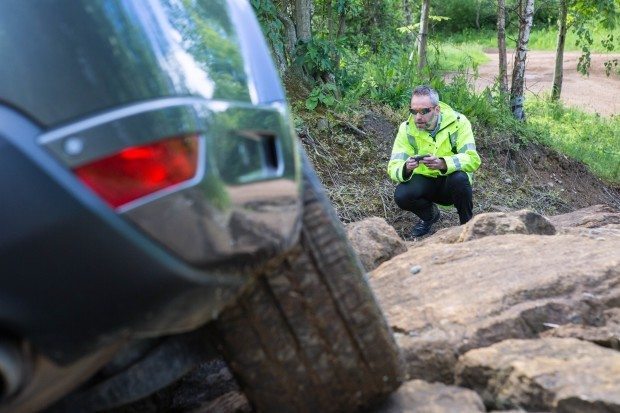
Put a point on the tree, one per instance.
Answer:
(408, 18)
(501, 45)
(558, 73)
(303, 17)
(526, 9)
(583, 14)
(286, 24)
(423, 36)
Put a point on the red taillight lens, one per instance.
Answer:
(141, 170)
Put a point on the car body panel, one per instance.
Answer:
(66, 59)
(77, 274)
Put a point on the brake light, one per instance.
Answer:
(141, 170)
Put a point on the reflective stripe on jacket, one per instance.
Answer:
(454, 132)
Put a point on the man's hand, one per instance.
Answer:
(432, 162)
(411, 164)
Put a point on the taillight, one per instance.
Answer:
(141, 170)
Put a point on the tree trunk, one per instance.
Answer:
(303, 16)
(408, 19)
(558, 74)
(291, 35)
(478, 7)
(518, 72)
(342, 23)
(423, 37)
(501, 45)
(331, 20)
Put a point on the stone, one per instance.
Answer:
(415, 269)
(476, 293)
(375, 241)
(322, 125)
(605, 336)
(499, 223)
(494, 223)
(559, 374)
(418, 396)
(595, 216)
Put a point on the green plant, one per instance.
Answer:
(318, 57)
(323, 94)
(589, 138)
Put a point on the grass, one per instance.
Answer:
(541, 38)
(589, 138)
(454, 56)
(546, 39)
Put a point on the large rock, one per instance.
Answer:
(500, 223)
(495, 223)
(445, 299)
(375, 241)
(562, 375)
(607, 335)
(592, 217)
(418, 396)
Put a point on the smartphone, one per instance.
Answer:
(418, 158)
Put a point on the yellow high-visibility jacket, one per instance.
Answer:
(454, 142)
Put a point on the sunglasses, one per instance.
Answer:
(424, 111)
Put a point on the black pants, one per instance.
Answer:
(420, 192)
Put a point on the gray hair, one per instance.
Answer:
(425, 90)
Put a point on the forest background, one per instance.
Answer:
(349, 67)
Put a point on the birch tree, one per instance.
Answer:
(408, 18)
(501, 46)
(517, 88)
(558, 73)
(423, 36)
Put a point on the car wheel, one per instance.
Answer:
(309, 336)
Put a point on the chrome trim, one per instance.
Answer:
(227, 210)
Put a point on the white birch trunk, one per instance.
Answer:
(518, 72)
(423, 36)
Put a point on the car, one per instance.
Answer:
(158, 210)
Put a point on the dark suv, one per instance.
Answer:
(157, 208)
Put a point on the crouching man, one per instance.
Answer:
(433, 160)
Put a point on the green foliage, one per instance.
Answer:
(324, 94)
(462, 14)
(586, 14)
(386, 79)
(318, 57)
(374, 60)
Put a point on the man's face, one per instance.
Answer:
(424, 113)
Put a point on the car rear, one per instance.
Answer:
(182, 98)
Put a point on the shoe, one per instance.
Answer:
(424, 227)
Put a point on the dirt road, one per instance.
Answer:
(596, 93)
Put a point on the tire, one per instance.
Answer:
(309, 336)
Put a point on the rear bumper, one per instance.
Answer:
(77, 275)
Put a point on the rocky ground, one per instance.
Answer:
(512, 311)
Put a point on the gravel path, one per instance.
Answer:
(596, 93)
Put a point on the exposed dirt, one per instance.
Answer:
(595, 93)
